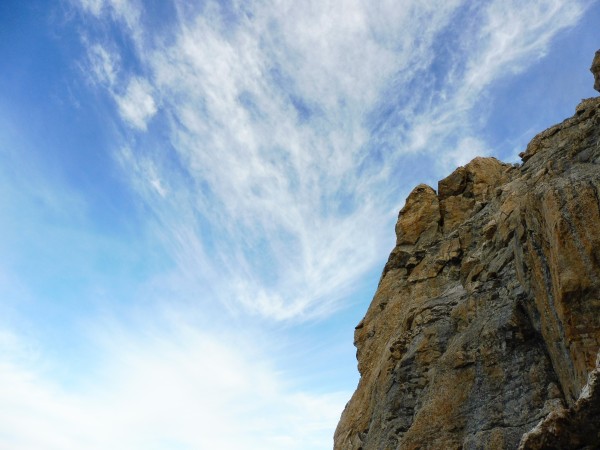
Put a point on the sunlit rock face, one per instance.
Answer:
(485, 327)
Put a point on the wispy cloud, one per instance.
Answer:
(103, 65)
(137, 105)
(287, 120)
(125, 11)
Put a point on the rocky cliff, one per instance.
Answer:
(484, 331)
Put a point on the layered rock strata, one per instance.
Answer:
(485, 327)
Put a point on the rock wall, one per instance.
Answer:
(485, 327)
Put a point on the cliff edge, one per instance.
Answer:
(484, 332)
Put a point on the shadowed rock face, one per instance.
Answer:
(485, 327)
(575, 427)
(595, 69)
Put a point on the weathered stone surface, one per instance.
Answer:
(468, 186)
(420, 217)
(486, 320)
(595, 69)
(575, 427)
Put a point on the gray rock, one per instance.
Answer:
(595, 69)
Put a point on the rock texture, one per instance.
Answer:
(485, 328)
(595, 69)
(575, 427)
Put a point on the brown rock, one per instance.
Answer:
(468, 186)
(420, 217)
(486, 320)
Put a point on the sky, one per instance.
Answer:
(198, 197)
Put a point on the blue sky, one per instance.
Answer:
(198, 197)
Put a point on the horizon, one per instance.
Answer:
(198, 198)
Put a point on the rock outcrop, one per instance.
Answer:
(595, 69)
(485, 327)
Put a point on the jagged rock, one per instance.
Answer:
(473, 184)
(485, 326)
(575, 427)
(595, 69)
(419, 219)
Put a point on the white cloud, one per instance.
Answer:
(496, 40)
(126, 11)
(271, 121)
(103, 64)
(271, 172)
(134, 99)
(514, 34)
(137, 105)
(466, 149)
(92, 6)
(176, 388)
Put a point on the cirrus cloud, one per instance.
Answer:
(286, 122)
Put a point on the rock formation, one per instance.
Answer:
(595, 69)
(484, 331)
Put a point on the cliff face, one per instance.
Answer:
(485, 328)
